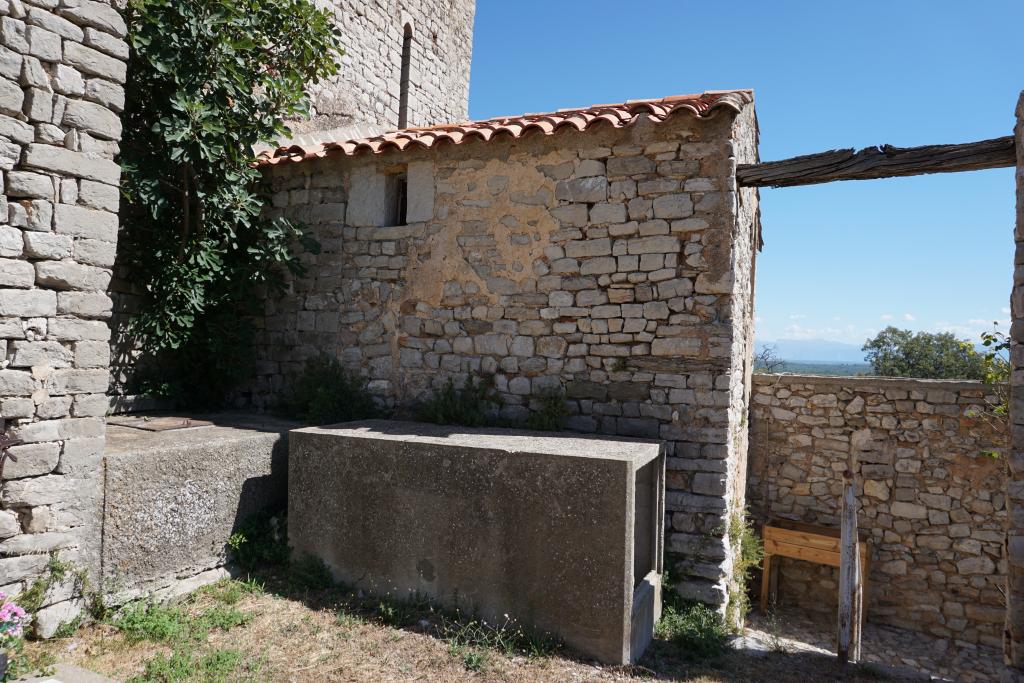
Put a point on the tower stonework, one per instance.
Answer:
(365, 97)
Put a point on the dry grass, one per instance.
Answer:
(326, 635)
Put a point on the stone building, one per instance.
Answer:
(406, 64)
(603, 252)
(61, 73)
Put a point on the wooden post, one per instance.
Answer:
(850, 607)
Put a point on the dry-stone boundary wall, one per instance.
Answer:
(612, 264)
(62, 70)
(932, 502)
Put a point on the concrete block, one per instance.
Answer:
(174, 498)
(562, 533)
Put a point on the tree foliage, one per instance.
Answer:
(928, 355)
(210, 80)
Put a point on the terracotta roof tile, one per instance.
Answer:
(617, 115)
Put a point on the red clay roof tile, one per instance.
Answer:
(617, 115)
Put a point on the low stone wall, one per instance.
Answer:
(932, 504)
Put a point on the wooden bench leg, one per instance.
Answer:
(766, 574)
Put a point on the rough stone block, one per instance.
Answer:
(90, 61)
(88, 223)
(93, 118)
(26, 184)
(12, 98)
(68, 162)
(96, 14)
(28, 303)
(71, 275)
(33, 460)
(27, 354)
(16, 273)
(52, 22)
(579, 556)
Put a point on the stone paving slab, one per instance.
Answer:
(897, 650)
(67, 673)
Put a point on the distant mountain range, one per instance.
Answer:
(814, 350)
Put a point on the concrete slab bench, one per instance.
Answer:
(561, 532)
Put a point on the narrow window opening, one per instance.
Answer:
(403, 99)
(397, 189)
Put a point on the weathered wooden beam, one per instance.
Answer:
(878, 162)
(850, 593)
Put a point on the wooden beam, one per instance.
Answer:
(850, 595)
(879, 162)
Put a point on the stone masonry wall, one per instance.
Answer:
(363, 99)
(61, 74)
(615, 264)
(931, 502)
(1014, 636)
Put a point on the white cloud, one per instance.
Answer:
(797, 316)
(848, 334)
(1005, 310)
(972, 329)
(909, 318)
(887, 316)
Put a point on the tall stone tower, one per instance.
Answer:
(406, 64)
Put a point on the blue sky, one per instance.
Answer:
(841, 260)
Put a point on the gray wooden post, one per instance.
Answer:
(848, 645)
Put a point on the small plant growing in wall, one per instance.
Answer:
(747, 552)
(996, 414)
(548, 411)
(471, 405)
(210, 81)
(326, 393)
(699, 631)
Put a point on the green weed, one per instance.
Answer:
(261, 541)
(213, 667)
(472, 659)
(471, 405)
(68, 628)
(548, 411)
(167, 623)
(231, 591)
(747, 555)
(508, 636)
(309, 572)
(327, 393)
(700, 632)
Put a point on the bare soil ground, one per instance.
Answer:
(233, 632)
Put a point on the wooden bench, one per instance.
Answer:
(810, 542)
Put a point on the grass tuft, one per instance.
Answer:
(309, 572)
(700, 632)
(172, 624)
(215, 666)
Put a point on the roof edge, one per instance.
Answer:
(703, 106)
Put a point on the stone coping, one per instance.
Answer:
(637, 451)
(765, 379)
(227, 427)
